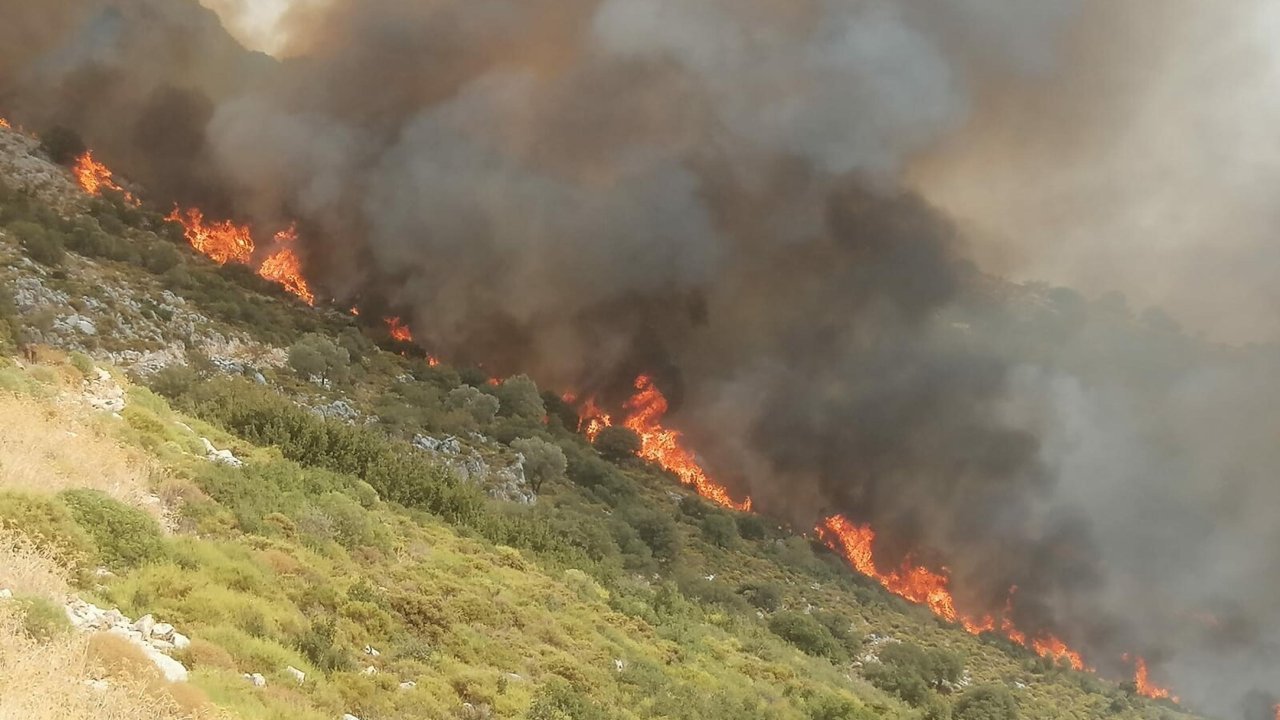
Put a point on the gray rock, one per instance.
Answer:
(297, 674)
(145, 626)
(256, 679)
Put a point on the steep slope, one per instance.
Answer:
(344, 534)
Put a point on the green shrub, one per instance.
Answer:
(42, 244)
(480, 406)
(912, 672)
(656, 529)
(83, 363)
(43, 619)
(172, 381)
(986, 702)
(765, 596)
(807, 634)
(543, 461)
(617, 443)
(720, 530)
(557, 700)
(751, 527)
(125, 536)
(519, 397)
(49, 524)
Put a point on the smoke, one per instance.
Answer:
(742, 197)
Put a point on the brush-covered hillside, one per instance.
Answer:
(217, 501)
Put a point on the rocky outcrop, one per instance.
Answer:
(503, 482)
(155, 639)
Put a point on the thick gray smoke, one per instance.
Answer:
(721, 193)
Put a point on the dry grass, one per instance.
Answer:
(28, 570)
(45, 448)
(49, 681)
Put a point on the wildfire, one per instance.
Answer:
(931, 588)
(221, 242)
(285, 268)
(5, 124)
(1145, 687)
(399, 331)
(94, 177)
(1277, 712)
(594, 420)
(662, 445)
(912, 582)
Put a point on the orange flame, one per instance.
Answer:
(93, 177)
(931, 588)
(593, 420)
(914, 583)
(1145, 687)
(221, 242)
(399, 331)
(285, 268)
(5, 124)
(662, 445)
(1277, 712)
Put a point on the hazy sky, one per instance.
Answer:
(253, 22)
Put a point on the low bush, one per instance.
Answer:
(912, 672)
(43, 619)
(807, 634)
(49, 525)
(125, 536)
(986, 702)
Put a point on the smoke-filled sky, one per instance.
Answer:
(794, 214)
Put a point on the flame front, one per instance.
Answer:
(914, 583)
(93, 177)
(5, 124)
(221, 242)
(593, 420)
(932, 588)
(662, 445)
(285, 268)
(399, 331)
(1143, 683)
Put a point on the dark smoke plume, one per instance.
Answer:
(714, 192)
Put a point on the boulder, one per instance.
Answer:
(257, 679)
(296, 674)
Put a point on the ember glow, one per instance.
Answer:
(93, 177)
(221, 242)
(923, 586)
(285, 268)
(399, 331)
(5, 124)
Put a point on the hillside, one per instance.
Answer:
(340, 524)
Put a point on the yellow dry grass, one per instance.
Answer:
(51, 681)
(28, 570)
(47, 448)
